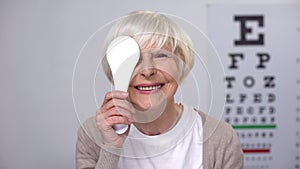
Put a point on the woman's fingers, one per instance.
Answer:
(113, 120)
(110, 137)
(114, 110)
(106, 123)
(117, 111)
(115, 94)
(123, 104)
(115, 104)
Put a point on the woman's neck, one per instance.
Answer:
(166, 121)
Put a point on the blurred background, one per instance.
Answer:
(258, 43)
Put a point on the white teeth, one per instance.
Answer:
(148, 88)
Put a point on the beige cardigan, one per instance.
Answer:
(221, 148)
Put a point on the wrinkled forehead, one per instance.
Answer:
(150, 41)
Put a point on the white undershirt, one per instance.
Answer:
(179, 148)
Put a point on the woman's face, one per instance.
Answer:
(155, 79)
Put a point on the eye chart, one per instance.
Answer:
(259, 46)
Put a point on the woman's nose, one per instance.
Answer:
(148, 72)
(147, 67)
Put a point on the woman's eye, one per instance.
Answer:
(161, 55)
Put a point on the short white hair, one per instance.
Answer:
(152, 28)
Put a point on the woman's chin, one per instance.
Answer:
(147, 114)
(144, 106)
(148, 110)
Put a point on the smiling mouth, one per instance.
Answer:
(150, 87)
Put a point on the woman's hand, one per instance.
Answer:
(114, 110)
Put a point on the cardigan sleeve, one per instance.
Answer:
(90, 156)
(221, 146)
(233, 156)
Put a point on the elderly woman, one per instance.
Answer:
(176, 136)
